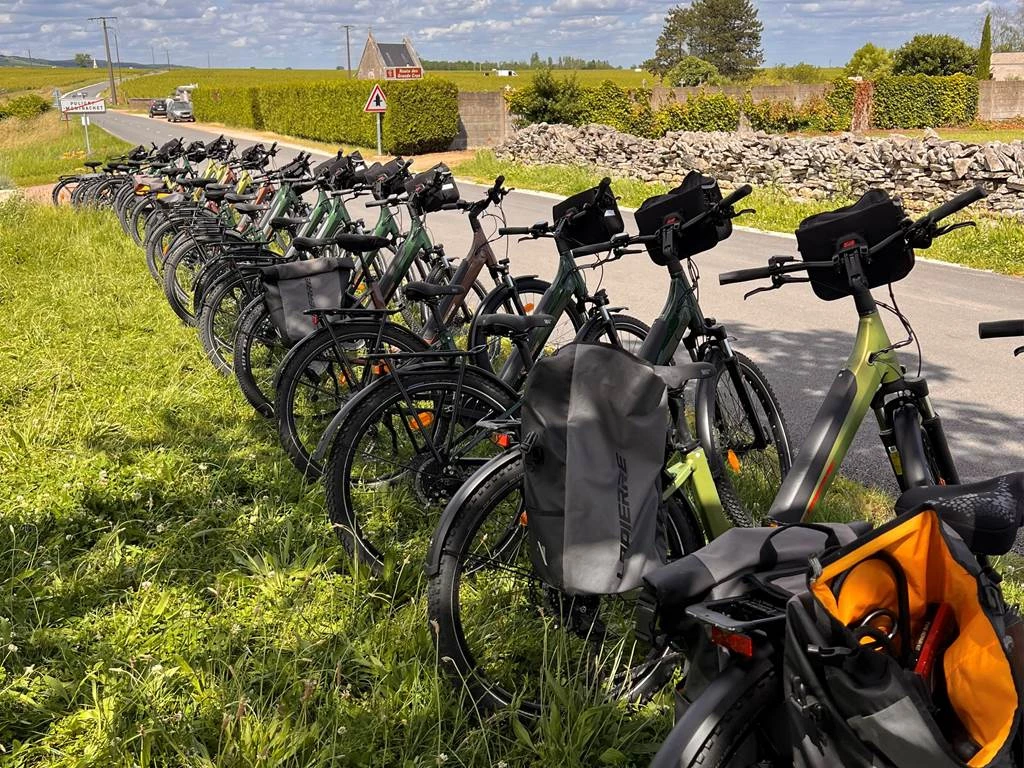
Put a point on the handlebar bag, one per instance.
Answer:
(595, 218)
(695, 195)
(595, 422)
(291, 289)
(387, 179)
(433, 189)
(873, 218)
(856, 700)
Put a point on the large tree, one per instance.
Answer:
(725, 33)
(1008, 27)
(83, 59)
(935, 55)
(985, 51)
(870, 62)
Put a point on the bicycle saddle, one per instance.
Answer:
(420, 290)
(284, 222)
(986, 514)
(237, 197)
(93, 163)
(202, 182)
(512, 325)
(249, 209)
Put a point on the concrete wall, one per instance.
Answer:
(796, 93)
(483, 120)
(1000, 100)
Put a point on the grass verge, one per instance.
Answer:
(996, 244)
(38, 150)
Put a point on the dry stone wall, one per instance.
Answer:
(923, 172)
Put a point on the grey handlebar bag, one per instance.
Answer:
(595, 424)
(292, 289)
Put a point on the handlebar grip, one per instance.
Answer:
(498, 183)
(1000, 329)
(744, 275)
(590, 250)
(957, 203)
(737, 195)
(514, 231)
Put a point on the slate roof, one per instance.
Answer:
(395, 55)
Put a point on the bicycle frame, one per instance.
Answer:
(417, 241)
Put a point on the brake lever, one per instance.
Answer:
(1018, 352)
(777, 282)
(744, 212)
(945, 230)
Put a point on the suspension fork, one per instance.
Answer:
(719, 338)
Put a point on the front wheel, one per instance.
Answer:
(507, 636)
(753, 464)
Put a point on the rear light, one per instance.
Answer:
(732, 641)
(502, 440)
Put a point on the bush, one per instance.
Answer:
(937, 55)
(702, 112)
(623, 110)
(870, 62)
(26, 106)
(690, 72)
(422, 116)
(547, 99)
(919, 101)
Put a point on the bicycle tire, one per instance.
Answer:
(375, 417)
(594, 331)
(63, 190)
(219, 313)
(758, 486)
(298, 375)
(159, 240)
(257, 354)
(448, 613)
(725, 742)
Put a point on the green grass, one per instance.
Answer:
(968, 135)
(996, 244)
(39, 150)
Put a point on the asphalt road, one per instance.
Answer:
(800, 341)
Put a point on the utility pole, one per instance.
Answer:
(348, 47)
(152, 52)
(106, 43)
(207, 59)
(30, 57)
(168, 54)
(117, 53)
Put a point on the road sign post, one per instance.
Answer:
(377, 104)
(85, 125)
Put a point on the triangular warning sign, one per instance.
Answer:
(376, 102)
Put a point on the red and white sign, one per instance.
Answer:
(72, 105)
(404, 73)
(376, 103)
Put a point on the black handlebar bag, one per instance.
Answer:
(594, 218)
(595, 423)
(873, 218)
(433, 189)
(855, 686)
(292, 289)
(695, 195)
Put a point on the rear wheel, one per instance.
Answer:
(219, 313)
(753, 469)
(62, 190)
(322, 372)
(257, 353)
(501, 630)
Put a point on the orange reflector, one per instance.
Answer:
(734, 460)
(380, 369)
(502, 441)
(422, 420)
(522, 518)
(528, 307)
(741, 644)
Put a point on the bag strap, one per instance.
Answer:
(769, 555)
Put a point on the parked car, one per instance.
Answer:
(158, 107)
(180, 110)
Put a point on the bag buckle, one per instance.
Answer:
(646, 613)
(832, 656)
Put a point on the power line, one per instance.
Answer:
(106, 43)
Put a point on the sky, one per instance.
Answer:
(307, 34)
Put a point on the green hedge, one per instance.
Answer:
(705, 111)
(422, 116)
(28, 105)
(922, 101)
(624, 110)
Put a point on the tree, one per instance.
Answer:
(673, 42)
(985, 52)
(83, 59)
(1008, 28)
(691, 71)
(548, 99)
(935, 55)
(870, 62)
(726, 33)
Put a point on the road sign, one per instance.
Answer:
(376, 103)
(77, 105)
(403, 73)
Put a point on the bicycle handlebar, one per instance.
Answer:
(1000, 329)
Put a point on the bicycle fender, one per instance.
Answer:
(906, 433)
(688, 735)
(323, 447)
(470, 487)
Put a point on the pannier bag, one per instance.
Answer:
(900, 655)
(291, 289)
(873, 218)
(695, 195)
(599, 224)
(595, 423)
(433, 189)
